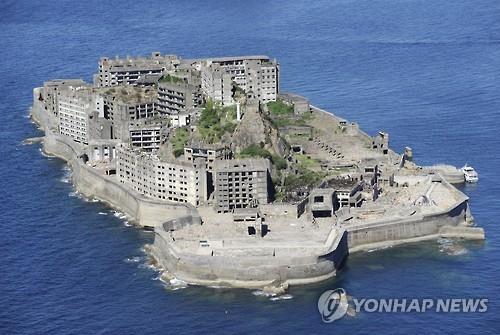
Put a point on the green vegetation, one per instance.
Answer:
(305, 178)
(278, 107)
(179, 141)
(238, 92)
(279, 162)
(282, 115)
(215, 121)
(170, 79)
(255, 150)
(306, 162)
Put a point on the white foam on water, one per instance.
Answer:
(75, 194)
(218, 287)
(146, 265)
(44, 154)
(66, 178)
(119, 215)
(381, 248)
(260, 293)
(282, 297)
(102, 213)
(135, 259)
(451, 247)
(176, 284)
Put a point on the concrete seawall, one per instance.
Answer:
(251, 269)
(450, 222)
(139, 209)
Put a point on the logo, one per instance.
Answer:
(335, 304)
(332, 305)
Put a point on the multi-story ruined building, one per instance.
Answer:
(178, 97)
(126, 104)
(241, 183)
(52, 90)
(257, 76)
(177, 181)
(209, 153)
(128, 71)
(147, 134)
(75, 109)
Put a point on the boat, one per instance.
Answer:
(470, 174)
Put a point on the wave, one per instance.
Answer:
(75, 194)
(119, 215)
(66, 178)
(282, 297)
(135, 259)
(451, 247)
(272, 296)
(44, 154)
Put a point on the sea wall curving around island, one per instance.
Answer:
(250, 268)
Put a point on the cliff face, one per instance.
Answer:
(254, 128)
(251, 129)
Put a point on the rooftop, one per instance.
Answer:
(246, 164)
(131, 94)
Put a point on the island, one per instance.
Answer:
(243, 185)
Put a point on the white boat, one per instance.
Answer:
(470, 174)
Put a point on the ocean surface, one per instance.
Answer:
(426, 71)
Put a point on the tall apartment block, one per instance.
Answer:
(75, 108)
(147, 134)
(52, 90)
(209, 153)
(176, 181)
(241, 183)
(128, 71)
(178, 97)
(126, 104)
(258, 76)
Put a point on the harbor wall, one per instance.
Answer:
(451, 222)
(91, 183)
(248, 270)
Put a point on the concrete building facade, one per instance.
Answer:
(177, 181)
(241, 183)
(52, 90)
(75, 107)
(178, 98)
(123, 105)
(128, 71)
(147, 135)
(257, 76)
(208, 153)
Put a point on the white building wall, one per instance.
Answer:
(167, 181)
(73, 118)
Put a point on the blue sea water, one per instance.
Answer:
(426, 71)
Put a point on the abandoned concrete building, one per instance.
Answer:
(177, 181)
(52, 90)
(257, 76)
(128, 71)
(178, 99)
(241, 183)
